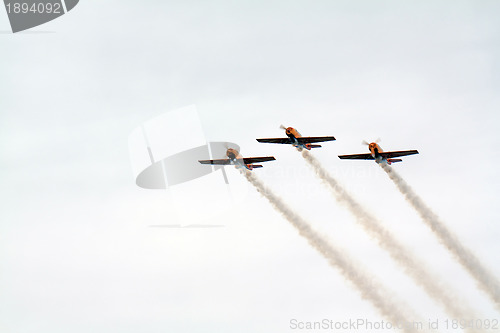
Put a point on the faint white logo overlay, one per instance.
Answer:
(164, 154)
(26, 14)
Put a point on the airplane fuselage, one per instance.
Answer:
(233, 154)
(293, 134)
(237, 159)
(378, 155)
(375, 150)
(234, 158)
(294, 138)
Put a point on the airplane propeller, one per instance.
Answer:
(226, 145)
(282, 127)
(364, 142)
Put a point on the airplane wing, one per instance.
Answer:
(216, 162)
(357, 157)
(313, 139)
(391, 154)
(275, 140)
(250, 160)
(384, 154)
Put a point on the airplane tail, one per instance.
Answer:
(253, 166)
(393, 160)
(309, 146)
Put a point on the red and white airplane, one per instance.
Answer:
(234, 158)
(376, 153)
(295, 139)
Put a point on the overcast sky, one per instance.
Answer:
(76, 250)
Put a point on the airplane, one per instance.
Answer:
(295, 139)
(234, 158)
(376, 153)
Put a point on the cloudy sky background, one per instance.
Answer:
(76, 250)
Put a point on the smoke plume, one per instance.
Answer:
(484, 278)
(370, 289)
(412, 266)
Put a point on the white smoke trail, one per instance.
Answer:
(370, 289)
(401, 254)
(484, 278)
